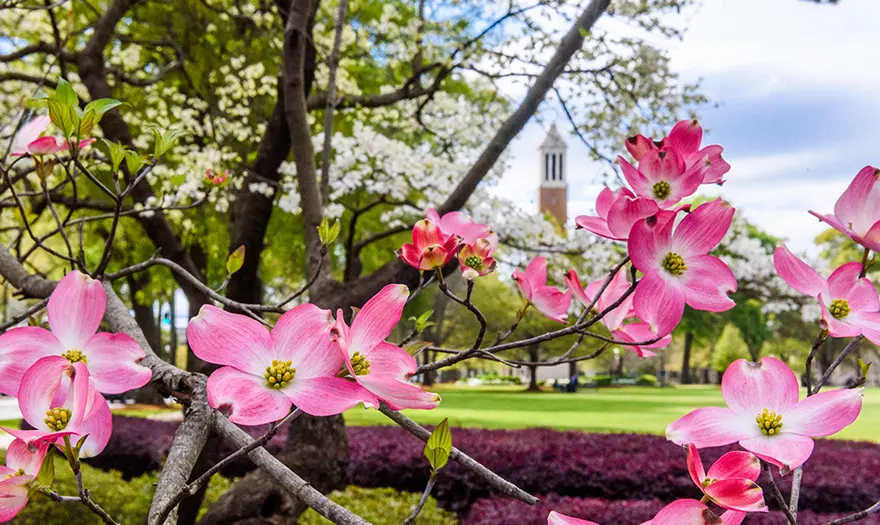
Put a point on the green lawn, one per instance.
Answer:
(630, 409)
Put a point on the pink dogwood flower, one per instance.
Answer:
(730, 482)
(764, 415)
(475, 259)
(265, 372)
(661, 176)
(533, 286)
(29, 140)
(679, 512)
(216, 178)
(686, 137)
(849, 302)
(75, 309)
(467, 229)
(857, 211)
(633, 332)
(57, 398)
(381, 367)
(617, 211)
(677, 266)
(430, 249)
(22, 466)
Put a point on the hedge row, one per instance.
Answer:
(492, 511)
(541, 461)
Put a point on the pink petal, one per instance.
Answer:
(75, 309)
(465, 227)
(606, 198)
(390, 370)
(552, 302)
(375, 321)
(798, 274)
(19, 349)
(649, 241)
(702, 229)
(683, 186)
(737, 494)
(638, 332)
(80, 398)
(749, 388)
(736, 464)
(247, 399)
(522, 282)
(302, 336)
(556, 518)
(597, 225)
(426, 233)
(13, 496)
(825, 413)
(29, 133)
(97, 425)
(113, 361)
(46, 146)
(639, 145)
(832, 221)
(626, 211)
(845, 283)
(657, 165)
(695, 466)
(224, 338)
(711, 427)
(686, 136)
(536, 273)
(659, 302)
(433, 216)
(714, 166)
(707, 283)
(685, 512)
(83, 143)
(869, 324)
(640, 184)
(573, 284)
(36, 438)
(732, 517)
(19, 456)
(837, 327)
(616, 288)
(410, 255)
(853, 209)
(327, 396)
(40, 387)
(786, 450)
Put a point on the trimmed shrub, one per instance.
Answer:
(127, 502)
(383, 507)
(602, 380)
(492, 511)
(647, 380)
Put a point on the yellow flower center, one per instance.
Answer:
(674, 264)
(769, 422)
(280, 374)
(57, 418)
(19, 472)
(359, 364)
(839, 308)
(474, 262)
(74, 356)
(708, 481)
(661, 189)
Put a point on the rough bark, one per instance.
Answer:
(686, 359)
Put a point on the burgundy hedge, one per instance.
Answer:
(842, 476)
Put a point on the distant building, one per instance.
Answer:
(553, 189)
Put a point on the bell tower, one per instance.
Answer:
(553, 166)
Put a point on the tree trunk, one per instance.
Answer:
(533, 369)
(573, 369)
(143, 314)
(686, 359)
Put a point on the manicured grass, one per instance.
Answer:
(629, 409)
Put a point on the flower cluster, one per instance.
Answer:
(58, 376)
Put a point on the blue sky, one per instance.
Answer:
(798, 89)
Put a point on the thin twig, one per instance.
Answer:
(873, 509)
(424, 499)
(777, 494)
(830, 370)
(24, 315)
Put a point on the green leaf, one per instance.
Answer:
(328, 233)
(64, 117)
(133, 161)
(414, 347)
(115, 151)
(79, 445)
(865, 367)
(101, 106)
(439, 446)
(235, 260)
(87, 123)
(65, 94)
(177, 180)
(165, 141)
(47, 471)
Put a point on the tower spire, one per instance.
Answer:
(553, 176)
